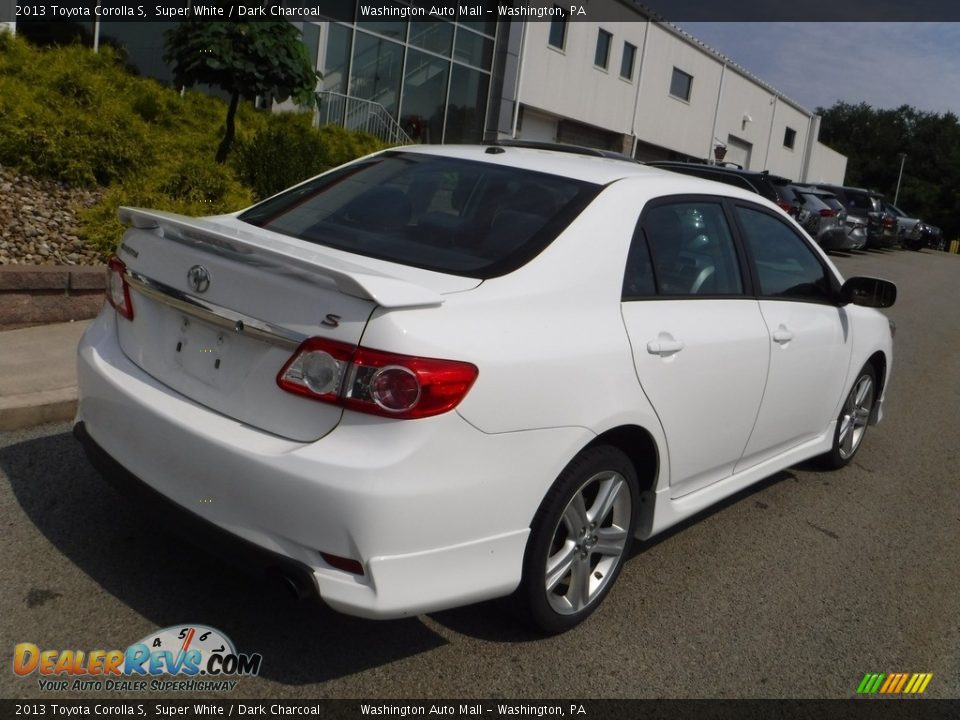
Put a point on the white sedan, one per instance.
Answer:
(438, 375)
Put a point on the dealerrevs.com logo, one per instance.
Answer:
(186, 658)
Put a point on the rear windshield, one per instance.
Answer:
(812, 201)
(862, 201)
(453, 216)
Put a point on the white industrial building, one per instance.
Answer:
(648, 89)
(623, 80)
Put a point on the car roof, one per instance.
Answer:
(596, 169)
(599, 170)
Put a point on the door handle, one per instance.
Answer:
(664, 346)
(782, 335)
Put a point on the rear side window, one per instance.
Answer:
(454, 216)
(785, 266)
(683, 249)
(786, 194)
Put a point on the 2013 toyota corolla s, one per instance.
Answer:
(438, 375)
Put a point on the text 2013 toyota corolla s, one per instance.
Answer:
(439, 375)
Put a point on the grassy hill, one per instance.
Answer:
(80, 118)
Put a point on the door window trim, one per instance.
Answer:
(733, 204)
(746, 275)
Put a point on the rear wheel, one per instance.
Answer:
(579, 539)
(853, 420)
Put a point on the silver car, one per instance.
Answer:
(824, 217)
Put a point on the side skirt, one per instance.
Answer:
(658, 511)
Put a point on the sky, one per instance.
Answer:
(817, 63)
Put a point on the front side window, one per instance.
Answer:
(626, 63)
(681, 84)
(786, 267)
(455, 216)
(602, 56)
(691, 252)
(558, 29)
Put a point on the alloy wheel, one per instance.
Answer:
(856, 415)
(588, 542)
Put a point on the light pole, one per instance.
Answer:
(896, 195)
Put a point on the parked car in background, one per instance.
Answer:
(446, 373)
(857, 232)
(866, 206)
(933, 237)
(774, 188)
(822, 215)
(909, 229)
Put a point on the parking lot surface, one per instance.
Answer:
(796, 587)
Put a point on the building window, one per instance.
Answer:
(603, 48)
(626, 63)
(680, 84)
(558, 28)
(789, 138)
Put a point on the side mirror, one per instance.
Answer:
(868, 292)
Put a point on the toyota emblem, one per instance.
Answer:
(199, 278)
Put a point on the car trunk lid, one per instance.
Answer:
(220, 306)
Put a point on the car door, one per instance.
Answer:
(700, 346)
(810, 348)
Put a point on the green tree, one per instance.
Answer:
(873, 138)
(244, 59)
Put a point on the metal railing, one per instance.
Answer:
(355, 113)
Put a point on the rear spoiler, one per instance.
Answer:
(386, 291)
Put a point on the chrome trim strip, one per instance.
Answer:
(214, 314)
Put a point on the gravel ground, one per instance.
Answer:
(38, 222)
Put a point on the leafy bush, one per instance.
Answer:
(60, 118)
(289, 150)
(342, 145)
(81, 118)
(193, 187)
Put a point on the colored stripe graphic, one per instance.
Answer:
(899, 687)
(894, 683)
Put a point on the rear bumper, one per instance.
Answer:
(245, 555)
(836, 238)
(436, 511)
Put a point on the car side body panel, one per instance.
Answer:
(438, 510)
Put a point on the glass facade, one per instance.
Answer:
(432, 76)
(375, 70)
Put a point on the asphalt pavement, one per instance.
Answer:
(796, 587)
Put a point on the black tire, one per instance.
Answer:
(847, 438)
(585, 527)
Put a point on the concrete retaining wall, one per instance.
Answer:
(40, 294)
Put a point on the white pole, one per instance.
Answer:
(96, 33)
(903, 159)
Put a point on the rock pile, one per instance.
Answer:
(38, 222)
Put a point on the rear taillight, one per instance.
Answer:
(827, 212)
(118, 292)
(889, 221)
(785, 206)
(376, 382)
